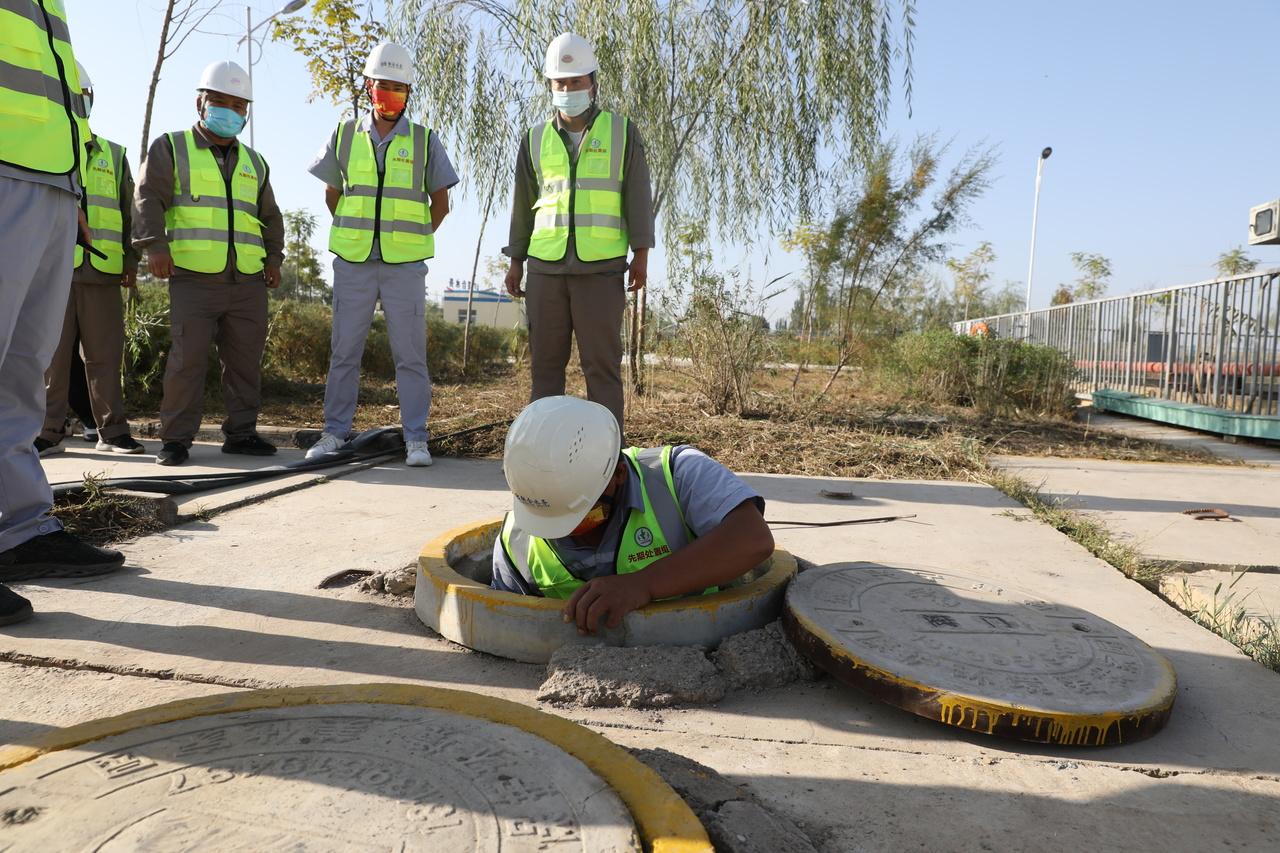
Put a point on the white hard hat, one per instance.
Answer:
(560, 454)
(228, 78)
(569, 55)
(390, 61)
(86, 83)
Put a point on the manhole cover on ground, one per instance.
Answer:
(334, 777)
(980, 656)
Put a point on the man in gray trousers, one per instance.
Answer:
(42, 137)
(387, 183)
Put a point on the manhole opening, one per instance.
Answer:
(346, 577)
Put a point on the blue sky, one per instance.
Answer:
(1161, 117)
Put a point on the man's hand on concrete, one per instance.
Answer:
(514, 274)
(160, 264)
(604, 601)
(273, 276)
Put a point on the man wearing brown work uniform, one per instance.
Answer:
(208, 220)
(94, 320)
(581, 199)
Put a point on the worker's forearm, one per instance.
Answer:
(438, 213)
(740, 542)
(331, 198)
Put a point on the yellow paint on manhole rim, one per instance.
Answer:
(664, 822)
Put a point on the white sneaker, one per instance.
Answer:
(327, 444)
(416, 454)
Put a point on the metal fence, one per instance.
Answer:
(1215, 343)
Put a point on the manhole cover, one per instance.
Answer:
(979, 656)
(335, 777)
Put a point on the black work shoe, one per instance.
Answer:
(249, 445)
(48, 448)
(57, 555)
(120, 444)
(13, 607)
(173, 453)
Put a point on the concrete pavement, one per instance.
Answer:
(233, 602)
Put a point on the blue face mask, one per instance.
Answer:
(223, 121)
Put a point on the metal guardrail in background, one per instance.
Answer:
(1214, 343)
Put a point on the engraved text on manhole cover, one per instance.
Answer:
(338, 777)
(980, 655)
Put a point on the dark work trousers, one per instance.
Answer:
(588, 308)
(234, 316)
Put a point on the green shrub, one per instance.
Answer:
(993, 376)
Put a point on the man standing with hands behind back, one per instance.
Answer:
(205, 213)
(581, 198)
(387, 183)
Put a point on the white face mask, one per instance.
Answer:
(572, 103)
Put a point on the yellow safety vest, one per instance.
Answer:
(391, 203)
(42, 123)
(582, 196)
(199, 229)
(651, 533)
(100, 175)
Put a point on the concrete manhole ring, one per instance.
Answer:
(358, 767)
(980, 656)
(453, 598)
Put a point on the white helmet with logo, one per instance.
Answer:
(86, 82)
(569, 55)
(560, 454)
(390, 61)
(228, 78)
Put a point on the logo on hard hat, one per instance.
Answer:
(568, 57)
(644, 537)
(538, 502)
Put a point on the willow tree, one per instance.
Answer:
(745, 106)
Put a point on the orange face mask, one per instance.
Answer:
(388, 104)
(595, 517)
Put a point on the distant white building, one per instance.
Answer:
(488, 307)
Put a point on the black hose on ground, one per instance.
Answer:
(369, 446)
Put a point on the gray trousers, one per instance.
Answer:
(95, 314)
(586, 307)
(235, 317)
(37, 242)
(356, 291)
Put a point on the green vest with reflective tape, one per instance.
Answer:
(198, 226)
(100, 174)
(582, 196)
(393, 201)
(42, 123)
(651, 533)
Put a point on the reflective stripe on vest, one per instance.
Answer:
(41, 127)
(197, 223)
(651, 533)
(100, 176)
(393, 201)
(583, 195)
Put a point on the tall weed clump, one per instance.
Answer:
(994, 376)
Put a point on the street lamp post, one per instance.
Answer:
(249, 28)
(1035, 213)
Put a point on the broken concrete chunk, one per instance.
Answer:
(740, 826)
(632, 677)
(396, 582)
(761, 658)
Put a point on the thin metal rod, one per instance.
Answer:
(1035, 214)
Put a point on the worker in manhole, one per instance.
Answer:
(611, 530)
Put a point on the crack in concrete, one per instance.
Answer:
(1153, 772)
(137, 671)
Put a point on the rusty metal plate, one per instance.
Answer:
(335, 778)
(980, 656)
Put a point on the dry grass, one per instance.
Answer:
(852, 432)
(102, 517)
